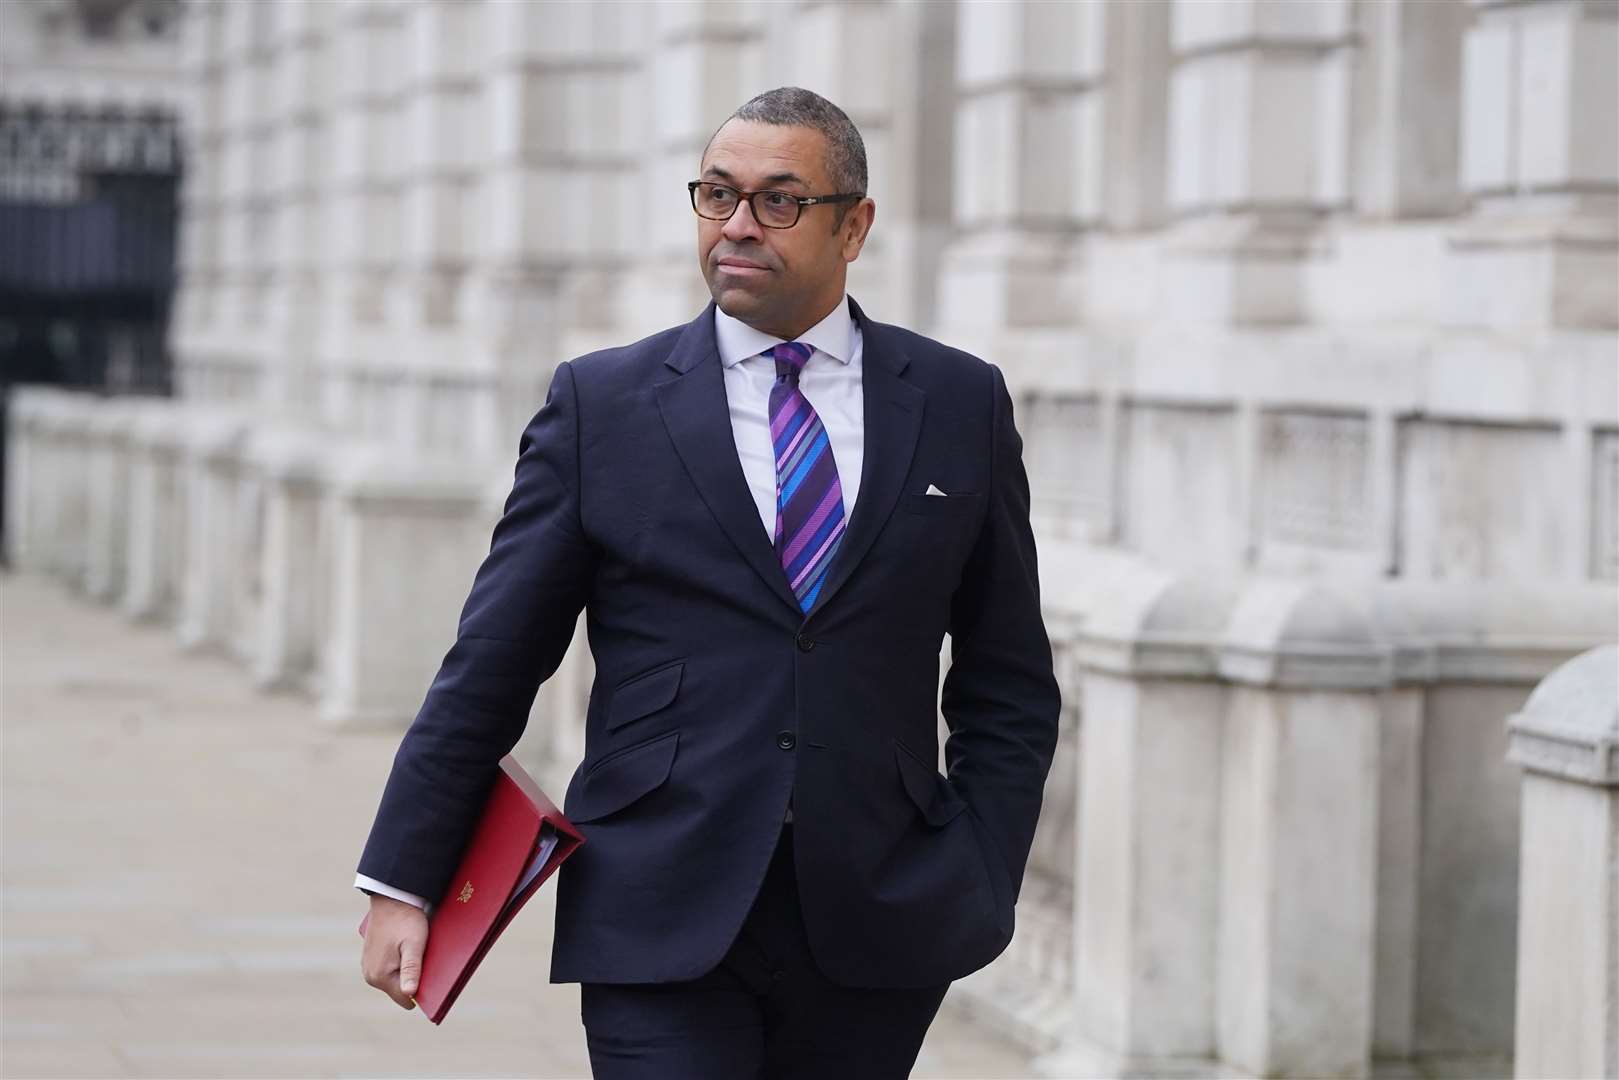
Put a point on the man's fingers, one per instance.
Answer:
(410, 965)
(391, 959)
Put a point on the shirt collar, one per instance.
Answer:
(833, 335)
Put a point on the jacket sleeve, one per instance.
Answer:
(515, 627)
(1000, 698)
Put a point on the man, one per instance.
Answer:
(772, 516)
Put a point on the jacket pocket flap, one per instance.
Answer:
(643, 694)
(930, 791)
(620, 778)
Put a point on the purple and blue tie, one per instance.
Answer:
(809, 496)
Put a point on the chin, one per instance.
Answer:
(735, 302)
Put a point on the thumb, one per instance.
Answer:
(410, 966)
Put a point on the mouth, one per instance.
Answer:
(740, 267)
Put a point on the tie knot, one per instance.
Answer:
(790, 357)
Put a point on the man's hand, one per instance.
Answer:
(391, 958)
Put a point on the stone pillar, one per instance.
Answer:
(422, 519)
(107, 435)
(298, 148)
(49, 492)
(365, 234)
(197, 257)
(1540, 160)
(157, 519)
(1028, 162)
(66, 492)
(836, 49)
(1146, 899)
(294, 568)
(1258, 139)
(564, 212)
(1566, 737)
(22, 460)
(1385, 260)
(1407, 109)
(1295, 953)
(227, 365)
(701, 62)
(208, 589)
(442, 132)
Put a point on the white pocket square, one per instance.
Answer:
(932, 491)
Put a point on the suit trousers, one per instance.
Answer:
(764, 1012)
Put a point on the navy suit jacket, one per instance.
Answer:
(716, 699)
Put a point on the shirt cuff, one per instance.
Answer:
(368, 884)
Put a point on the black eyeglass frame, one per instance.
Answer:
(801, 200)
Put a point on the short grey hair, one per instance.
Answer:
(793, 106)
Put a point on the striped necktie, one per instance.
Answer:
(809, 496)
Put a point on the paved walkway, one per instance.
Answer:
(176, 895)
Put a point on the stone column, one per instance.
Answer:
(421, 518)
(1028, 161)
(1146, 899)
(294, 564)
(225, 364)
(22, 460)
(197, 258)
(363, 211)
(701, 62)
(66, 487)
(870, 58)
(108, 502)
(156, 537)
(1540, 160)
(1407, 109)
(1299, 761)
(297, 147)
(441, 130)
(1384, 261)
(563, 212)
(1258, 139)
(209, 587)
(1566, 737)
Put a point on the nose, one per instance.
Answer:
(742, 225)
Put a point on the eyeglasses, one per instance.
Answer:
(772, 209)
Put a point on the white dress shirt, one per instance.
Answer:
(830, 380)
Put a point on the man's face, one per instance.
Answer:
(779, 281)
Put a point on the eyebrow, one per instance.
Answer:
(773, 178)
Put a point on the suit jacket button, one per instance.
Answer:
(786, 739)
(805, 644)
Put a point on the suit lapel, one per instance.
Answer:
(695, 411)
(892, 411)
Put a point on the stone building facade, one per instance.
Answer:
(1310, 310)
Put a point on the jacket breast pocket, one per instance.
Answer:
(644, 694)
(964, 504)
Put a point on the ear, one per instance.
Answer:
(856, 227)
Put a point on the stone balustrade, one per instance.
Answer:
(1281, 836)
(1295, 828)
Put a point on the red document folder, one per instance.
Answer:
(519, 841)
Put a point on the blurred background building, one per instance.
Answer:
(1310, 312)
